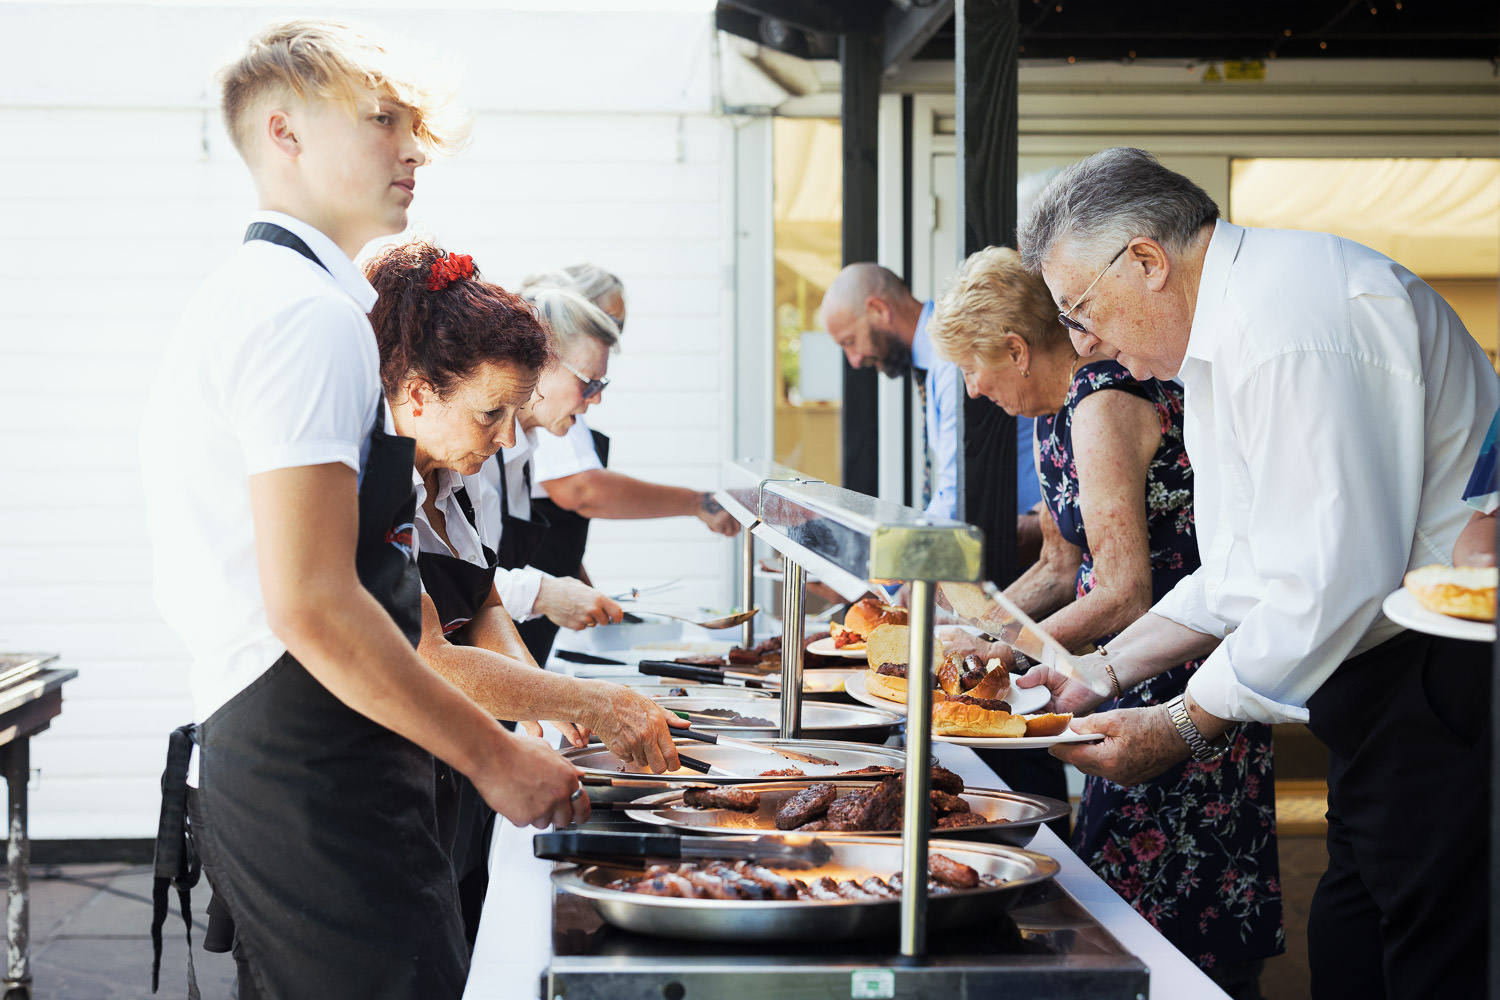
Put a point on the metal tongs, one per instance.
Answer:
(783, 851)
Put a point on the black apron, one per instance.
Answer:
(458, 589)
(317, 826)
(561, 554)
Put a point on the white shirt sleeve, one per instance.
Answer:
(297, 399)
(518, 589)
(568, 455)
(944, 398)
(1187, 605)
(1333, 474)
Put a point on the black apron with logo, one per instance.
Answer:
(458, 589)
(317, 826)
(561, 554)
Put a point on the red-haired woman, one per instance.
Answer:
(459, 358)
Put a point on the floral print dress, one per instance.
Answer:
(1193, 850)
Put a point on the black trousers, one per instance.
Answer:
(1403, 910)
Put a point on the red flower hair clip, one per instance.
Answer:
(446, 270)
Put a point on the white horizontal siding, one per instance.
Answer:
(122, 192)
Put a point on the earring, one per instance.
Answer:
(416, 411)
(1026, 373)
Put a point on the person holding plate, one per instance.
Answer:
(1194, 850)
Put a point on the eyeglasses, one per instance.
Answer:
(591, 386)
(1068, 321)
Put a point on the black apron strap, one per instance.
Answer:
(272, 233)
(177, 864)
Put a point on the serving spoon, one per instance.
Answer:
(728, 621)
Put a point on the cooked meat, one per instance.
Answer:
(790, 772)
(773, 644)
(892, 669)
(885, 806)
(823, 888)
(949, 672)
(700, 660)
(816, 826)
(973, 672)
(949, 872)
(806, 806)
(946, 802)
(852, 809)
(875, 887)
(712, 886)
(988, 704)
(740, 656)
(738, 799)
(958, 819)
(778, 886)
(849, 889)
(870, 769)
(945, 780)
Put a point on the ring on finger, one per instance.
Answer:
(577, 792)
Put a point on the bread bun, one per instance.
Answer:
(886, 686)
(996, 682)
(1459, 591)
(1047, 724)
(863, 618)
(955, 718)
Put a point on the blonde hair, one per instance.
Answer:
(332, 61)
(589, 280)
(990, 295)
(569, 318)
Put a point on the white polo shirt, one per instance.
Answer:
(273, 365)
(517, 587)
(563, 455)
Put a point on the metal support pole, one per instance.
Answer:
(793, 583)
(747, 588)
(18, 860)
(918, 773)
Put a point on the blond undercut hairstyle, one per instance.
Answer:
(990, 295)
(327, 60)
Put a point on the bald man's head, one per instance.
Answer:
(872, 316)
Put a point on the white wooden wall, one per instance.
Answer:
(594, 140)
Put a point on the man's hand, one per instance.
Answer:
(719, 520)
(530, 785)
(574, 605)
(633, 727)
(955, 639)
(1139, 744)
(1076, 693)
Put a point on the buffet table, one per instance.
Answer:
(515, 943)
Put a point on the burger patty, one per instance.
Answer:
(957, 819)
(892, 669)
(806, 806)
(947, 802)
(988, 704)
(738, 799)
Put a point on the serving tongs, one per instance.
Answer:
(753, 747)
(708, 675)
(784, 851)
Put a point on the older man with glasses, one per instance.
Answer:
(1334, 407)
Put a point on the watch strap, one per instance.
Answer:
(1200, 748)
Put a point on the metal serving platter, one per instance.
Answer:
(597, 761)
(821, 720)
(1014, 816)
(771, 920)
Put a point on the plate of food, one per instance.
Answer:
(825, 647)
(847, 638)
(1021, 742)
(1453, 601)
(1023, 701)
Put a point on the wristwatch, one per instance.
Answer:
(1201, 749)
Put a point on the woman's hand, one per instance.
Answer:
(635, 728)
(1077, 693)
(1139, 744)
(958, 640)
(574, 605)
(575, 734)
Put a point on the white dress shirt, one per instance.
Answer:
(465, 541)
(517, 587)
(565, 455)
(1335, 405)
(944, 400)
(272, 366)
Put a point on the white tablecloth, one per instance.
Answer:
(515, 930)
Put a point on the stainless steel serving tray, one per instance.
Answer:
(1014, 816)
(597, 761)
(772, 920)
(820, 720)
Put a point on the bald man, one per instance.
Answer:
(878, 323)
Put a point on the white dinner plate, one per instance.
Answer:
(1403, 608)
(1021, 742)
(1023, 701)
(825, 647)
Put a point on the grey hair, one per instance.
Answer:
(570, 318)
(589, 280)
(1101, 203)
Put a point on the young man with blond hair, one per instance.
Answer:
(280, 507)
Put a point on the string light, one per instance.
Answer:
(1322, 45)
(1286, 32)
(1072, 59)
(1132, 53)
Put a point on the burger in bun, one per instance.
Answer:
(862, 618)
(1459, 591)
